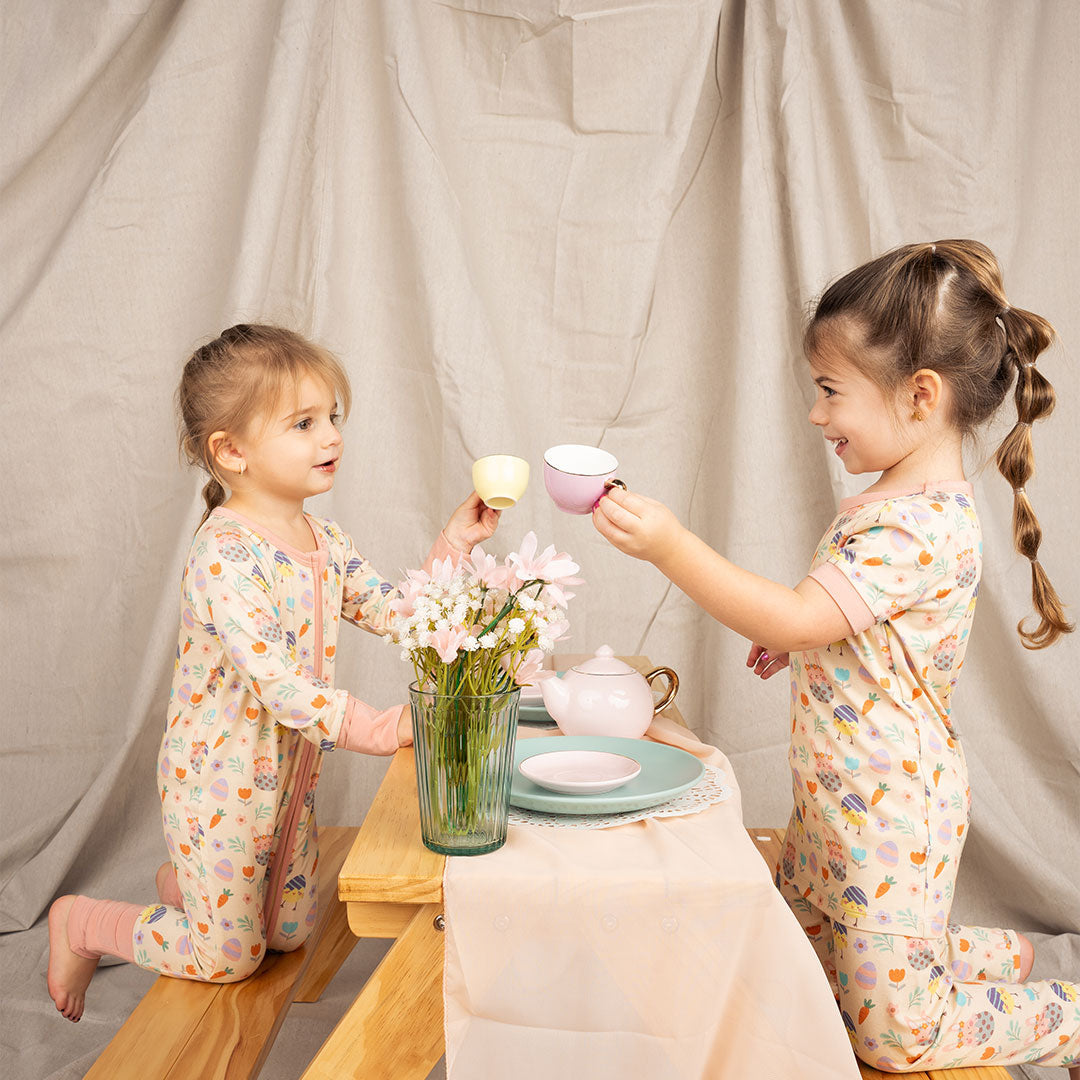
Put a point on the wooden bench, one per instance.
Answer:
(183, 1029)
(770, 843)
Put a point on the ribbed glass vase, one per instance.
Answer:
(464, 765)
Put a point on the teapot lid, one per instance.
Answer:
(604, 662)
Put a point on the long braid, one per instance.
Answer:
(1027, 335)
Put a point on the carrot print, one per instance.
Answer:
(158, 938)
(223, 899)
(218, 815)
(869, 703)
(864, 1012)
(879, 793)
(187, 645)
(941, 865)
(938, 770)
(884, 887)
(874, 560)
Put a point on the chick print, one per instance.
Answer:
(853, 901)
(854, 810)
(846, 720)
(293, 892)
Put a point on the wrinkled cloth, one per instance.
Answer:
(657, 950)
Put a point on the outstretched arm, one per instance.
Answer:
(775, 616)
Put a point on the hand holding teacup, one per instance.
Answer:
(638, 525)
(578, 477)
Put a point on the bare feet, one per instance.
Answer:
(1027, 960)
(69, 974)
(168, 889)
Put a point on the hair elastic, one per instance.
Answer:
(1023, 423)
(1027, 363)
(1019, 491)
(1004, 311)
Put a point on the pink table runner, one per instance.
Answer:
(658, 949)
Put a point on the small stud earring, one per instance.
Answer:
(916, 415)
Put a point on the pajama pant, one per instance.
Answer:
(940, 1003)
(227, 919)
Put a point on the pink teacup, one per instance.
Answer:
(576, 477)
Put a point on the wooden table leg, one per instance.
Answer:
(394, 1029)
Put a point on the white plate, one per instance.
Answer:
(579, 772)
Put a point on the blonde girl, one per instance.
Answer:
(909, 354)
(253, 707)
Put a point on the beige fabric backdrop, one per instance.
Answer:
(518, 224)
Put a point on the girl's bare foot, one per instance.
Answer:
(69, 974)
(1027, 962)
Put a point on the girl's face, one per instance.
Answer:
(292, 452)
(867, 431)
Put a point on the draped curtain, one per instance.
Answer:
(518, 224)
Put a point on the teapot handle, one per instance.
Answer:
(672, 690)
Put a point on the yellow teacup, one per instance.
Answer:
(500, 480)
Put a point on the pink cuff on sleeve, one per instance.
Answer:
(846, 597)
(443, 549)
(368, 731)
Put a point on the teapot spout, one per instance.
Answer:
(556, 696)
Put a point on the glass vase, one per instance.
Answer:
(464, 765)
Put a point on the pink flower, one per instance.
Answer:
(447, 642)
(486, 570)
(530, 669)
(547, 566)
(410, 589)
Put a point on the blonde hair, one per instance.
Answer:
(942, 306)
(239, 376)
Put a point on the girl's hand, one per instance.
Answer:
(637, 525)
(404, 727)
(471, 523)
(765, 664)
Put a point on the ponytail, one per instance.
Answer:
(213, 495)
(1026, 335)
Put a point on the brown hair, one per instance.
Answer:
(239, 376)
(942, 306)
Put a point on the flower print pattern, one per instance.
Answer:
(875, 759)
(251, 712)
(918, 1003)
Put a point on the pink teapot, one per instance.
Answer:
(606, 696)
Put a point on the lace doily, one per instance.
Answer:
(709, 790)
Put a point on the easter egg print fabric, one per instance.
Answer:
(880, 784)
(946, 1002)
(251, 713)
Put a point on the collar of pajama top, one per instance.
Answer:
(880, 784)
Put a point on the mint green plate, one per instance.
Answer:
(666, 771)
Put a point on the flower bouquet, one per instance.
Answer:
(475, 632)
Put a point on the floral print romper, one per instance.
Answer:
(251, 712)
(882, 799)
